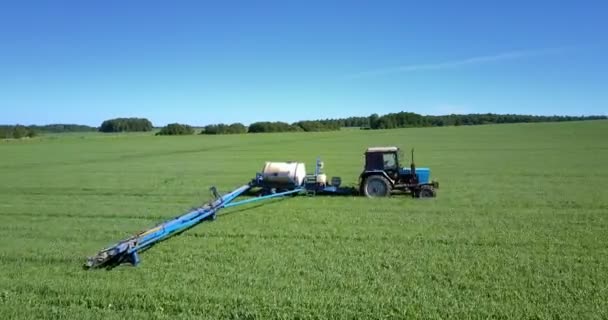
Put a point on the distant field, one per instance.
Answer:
(519, 228)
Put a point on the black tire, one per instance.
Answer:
(376, 186)
(426, 192)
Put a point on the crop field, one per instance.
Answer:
(519, 228)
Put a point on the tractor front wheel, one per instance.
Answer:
(426, 192)
(376, 186)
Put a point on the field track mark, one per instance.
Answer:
(121, 158)
(69, 191)
(233, 307)
(101, 238)
(73, 216)
(394, 239)
(38, 259)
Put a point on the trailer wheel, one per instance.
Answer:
(426, 192)
(376, 186)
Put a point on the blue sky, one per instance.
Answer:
(201, 62)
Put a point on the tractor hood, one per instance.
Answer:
(424, 174)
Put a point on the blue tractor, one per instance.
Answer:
(383, 175)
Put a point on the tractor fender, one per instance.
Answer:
(366, 174)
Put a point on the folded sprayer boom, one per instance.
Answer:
(126, 250)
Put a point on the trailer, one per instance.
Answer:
(277, 179)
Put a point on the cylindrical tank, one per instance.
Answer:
(283, 174)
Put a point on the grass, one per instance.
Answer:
(518, 229)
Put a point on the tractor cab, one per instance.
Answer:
(384, 159)
(383, 173)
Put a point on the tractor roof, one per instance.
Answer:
(382, 149)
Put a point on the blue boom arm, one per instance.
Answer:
(126, 251)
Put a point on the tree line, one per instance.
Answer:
(61, 128)
(175, 129)
(374, 121)
(21, 131)
(410, 119)
(221, 128)
(271, 126)
(16, 132)
(256, 127)
(126, 125)
(399, 120)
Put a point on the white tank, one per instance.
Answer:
(284, 174)
(322, 179)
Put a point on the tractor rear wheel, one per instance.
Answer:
(376, 186)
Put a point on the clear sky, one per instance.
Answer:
(201, 62)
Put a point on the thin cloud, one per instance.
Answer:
(512, 55)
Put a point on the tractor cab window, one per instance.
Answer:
(390, 161)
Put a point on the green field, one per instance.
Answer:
(519, 228)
